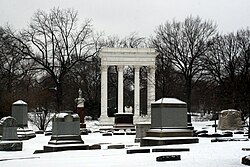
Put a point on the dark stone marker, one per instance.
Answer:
(168, 158)
(107, 134)
(118, 146)
(138, 151)
(95, 147)
(228, 139)
(170, 149)
(246, 160)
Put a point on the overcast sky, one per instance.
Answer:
(121, 17)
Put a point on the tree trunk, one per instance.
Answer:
(188, 95)
(59, 97)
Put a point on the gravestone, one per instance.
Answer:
(230, 120)
(65, 133)
(8, 133)
(20, 113)
(168, 124)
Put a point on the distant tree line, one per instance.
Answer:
(46, 63)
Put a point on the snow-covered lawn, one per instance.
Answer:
(203, 154)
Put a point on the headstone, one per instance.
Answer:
(8, 133)
(65, 124)
(230, 120)
(65, 133)
(20, 113)
(8, 128)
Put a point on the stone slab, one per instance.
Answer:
(168, 158)
(170, 149)
(170, 132)
(65, 147)
(11, 146)
(157, 141)
(133, 151)
(116, 146)
(95, 147)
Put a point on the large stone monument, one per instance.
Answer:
(80, 109)
(123, 57)
(168, 124)
(20, 113)
(8, 133)
(124, 121)
(230, 120)
(65, 133)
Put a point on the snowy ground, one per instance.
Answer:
(203, 154)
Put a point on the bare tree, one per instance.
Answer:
(223, 63)
(131, 41)
(183, 44)
(14, 70)
(58, 44)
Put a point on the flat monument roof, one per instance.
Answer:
(166, 100)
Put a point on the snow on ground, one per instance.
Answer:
(202, 154)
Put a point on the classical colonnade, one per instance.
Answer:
(133, 57)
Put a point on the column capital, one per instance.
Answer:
(151, 68)
(120, 68)
(104, 67)
(137, 68)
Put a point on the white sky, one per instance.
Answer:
(122, 17)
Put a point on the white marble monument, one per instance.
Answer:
(122, 57)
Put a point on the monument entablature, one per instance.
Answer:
(128, 57)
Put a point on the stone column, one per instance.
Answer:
(120, 88)
(104, 91)
(137, 91)
(151, 88)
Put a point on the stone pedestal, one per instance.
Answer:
(141, 129)
(168, 124)
(80, 112)
(65, 134)
(80, 109)
(124, 121)
(8, 132)
(20, 113)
